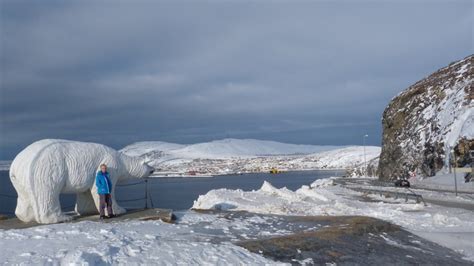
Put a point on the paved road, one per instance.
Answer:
(440, 202)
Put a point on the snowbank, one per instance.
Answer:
(325, 198)
(444, 182)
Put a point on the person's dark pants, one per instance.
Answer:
(105, 200)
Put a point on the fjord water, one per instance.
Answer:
(177, 193)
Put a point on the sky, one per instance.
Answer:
(312, 72)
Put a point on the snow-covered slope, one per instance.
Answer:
(353, 156)
(220, 149)
(144, 147)
(423, 123)
(228, 148)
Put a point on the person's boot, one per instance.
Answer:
(111, 216)
(102, 217)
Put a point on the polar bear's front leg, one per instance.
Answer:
(115, 207)
(24, 210)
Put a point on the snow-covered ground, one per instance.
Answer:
(450, 227)
(198, 239)
(230, 156)
(444, 181)
(132, 243)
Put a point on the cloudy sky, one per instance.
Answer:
(316, 72)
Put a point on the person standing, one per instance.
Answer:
(104, 187)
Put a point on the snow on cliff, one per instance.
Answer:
(423, 123)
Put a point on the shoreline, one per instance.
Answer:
(179, 175)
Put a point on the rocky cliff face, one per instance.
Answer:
(428, 120)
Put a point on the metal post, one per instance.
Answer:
(365, 159)
(146, 193)
(454, 171)
(449, 161)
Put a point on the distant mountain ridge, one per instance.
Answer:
(229, 156)
(225, 148)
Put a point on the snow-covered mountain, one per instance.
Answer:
(144, 147)
(228, 148)
(221, 149)
(426, 121)
(353, 156)
(247, 155)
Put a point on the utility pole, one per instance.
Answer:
(365, 159)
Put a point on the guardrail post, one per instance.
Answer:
(146, 193)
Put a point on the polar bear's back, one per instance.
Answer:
(72, 162)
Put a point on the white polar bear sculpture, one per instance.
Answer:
(49, 167)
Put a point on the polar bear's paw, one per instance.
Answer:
(51, 219)
(63, 218)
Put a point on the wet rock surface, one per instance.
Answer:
(352, 240)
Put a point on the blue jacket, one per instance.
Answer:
(103, 183)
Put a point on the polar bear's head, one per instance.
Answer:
(136, 167)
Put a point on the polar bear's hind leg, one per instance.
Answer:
(47, 204)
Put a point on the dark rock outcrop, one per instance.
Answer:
(428, 120)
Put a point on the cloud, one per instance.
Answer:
(303, 72)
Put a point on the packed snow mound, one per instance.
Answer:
(322, 183)
(423, 123)
(49, 167)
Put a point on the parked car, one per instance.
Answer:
(402, 183)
